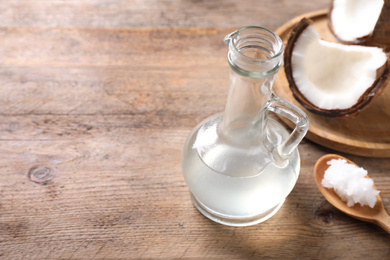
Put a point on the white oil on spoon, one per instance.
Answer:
(377, 214)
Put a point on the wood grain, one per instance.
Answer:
(152, 13)
(97, 98)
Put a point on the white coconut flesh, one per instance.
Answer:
(333, 75)
(354, 19)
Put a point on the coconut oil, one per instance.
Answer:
(241, 195)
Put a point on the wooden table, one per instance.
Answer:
(97, 98)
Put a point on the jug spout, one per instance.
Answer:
(228, 38)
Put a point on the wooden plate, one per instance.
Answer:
(367, 134)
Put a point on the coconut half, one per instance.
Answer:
(333, 79)
(353, 21)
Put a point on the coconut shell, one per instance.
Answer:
(381, 33)
(380, 36)
(383, 76)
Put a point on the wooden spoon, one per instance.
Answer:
(376, 215)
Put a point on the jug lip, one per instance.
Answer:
(272, 64)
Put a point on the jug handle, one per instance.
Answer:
(279, 106)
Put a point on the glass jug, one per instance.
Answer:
(241, 165)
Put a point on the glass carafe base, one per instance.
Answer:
(234, 221)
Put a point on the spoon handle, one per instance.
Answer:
(384, 221)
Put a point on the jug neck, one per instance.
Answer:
(255, 56)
